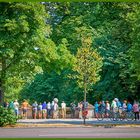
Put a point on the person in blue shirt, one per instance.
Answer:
(44, 110)
(129, 107)
(96, 109)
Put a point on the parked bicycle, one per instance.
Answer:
(118, 115)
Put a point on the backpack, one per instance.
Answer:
(118, 104)
(129, 107)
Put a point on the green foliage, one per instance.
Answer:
(47, 86)
(22, 29)
(87, 66)
(111, 30)
(7, 117)
(25, 46)
(29, 46)
(134, 52)
(88, 63)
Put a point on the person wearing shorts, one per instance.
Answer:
(24, 109)
(34, 110)
(44, 110)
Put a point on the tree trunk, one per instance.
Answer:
(2, 80)
(1, 93)
(85, 92)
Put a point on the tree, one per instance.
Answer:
(134, 52)
(112, 29)
(22, 26)
(88, 63)
(25, 46)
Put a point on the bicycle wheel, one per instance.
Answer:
(100, 116)
(110, 115)
(116, 116)
(130, 116)
(123, 116)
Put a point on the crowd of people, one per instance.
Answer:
(116, 105)
(51, 109)
(41, 110)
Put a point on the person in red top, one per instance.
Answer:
(136, 110)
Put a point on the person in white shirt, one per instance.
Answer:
(63, 109)
(16, 107)
(49, 109)
(107, 108)
(55, 111)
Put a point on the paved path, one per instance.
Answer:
(77, 121)
(72, 132)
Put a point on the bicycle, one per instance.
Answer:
(130, 115)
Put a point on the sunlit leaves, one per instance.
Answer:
(88, 65)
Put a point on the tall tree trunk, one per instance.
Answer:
(1, 93)
(2, 80)
(85, 93)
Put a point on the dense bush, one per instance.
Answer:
(7, 117)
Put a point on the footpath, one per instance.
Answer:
(75, 123)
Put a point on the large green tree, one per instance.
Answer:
(111, 38)
(21, 26)
(115, 36)
(25, 47)
(134, 18)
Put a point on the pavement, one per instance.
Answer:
(70, 132)
(75, 123)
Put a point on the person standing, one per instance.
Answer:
(136, 110)
(73, 108)
(107, 108)
(56, 108)
(124, 106)
(96, 109)
(52, 109)
(129, 107)
(16, 107)
(34, 110)
(24, 107)
(40, 111)
(48, 110)
(80, 106)
(114, 106)
(63, 107)
(44, 110)
(11, 106)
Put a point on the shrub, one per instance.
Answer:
(7, 117)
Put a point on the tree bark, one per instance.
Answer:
(2, 80)
(85, 92)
